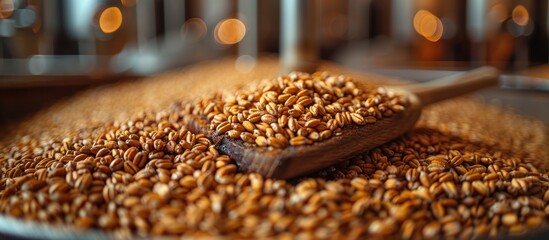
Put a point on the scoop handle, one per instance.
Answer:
(455, 85)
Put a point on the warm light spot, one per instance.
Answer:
(438, 33)
(418, 19)
(110, 20)
(520, 15)
(128, 3)
(428, 25)
(229, 31)
(6, 8)
(194, 29)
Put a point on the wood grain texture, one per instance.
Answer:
(455, 85)
(294, 161)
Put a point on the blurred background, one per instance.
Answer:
(50, 49)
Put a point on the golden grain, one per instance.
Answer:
(151, 176)
(294, 106)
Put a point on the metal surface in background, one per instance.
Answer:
(299, 43)
(37, 36)
(101, 39)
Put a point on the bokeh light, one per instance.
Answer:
(6, 8)
(428, 25)
(520, 15)
(229, 31)
(194, 29)
(110, 20)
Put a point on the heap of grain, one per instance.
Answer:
(298, 109)
(457, 174)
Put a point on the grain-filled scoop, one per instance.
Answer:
(293, 125)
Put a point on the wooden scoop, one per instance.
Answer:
(294, 161)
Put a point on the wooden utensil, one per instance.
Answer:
(294, 161)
